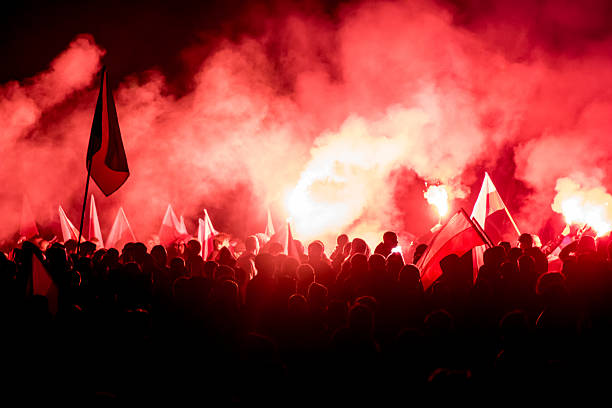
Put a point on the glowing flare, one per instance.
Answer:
(438, 197)
(313, 212)
(566, 230)
(583, 206)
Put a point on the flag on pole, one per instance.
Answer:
(27, 223)
(171, 228)
(488, 202)
(182, 226)
(290, 248)
(205, 236)
(457, 236)
(269, 226)
(69, 231)
(105, 153)
(209, 222)
(43, 285)
(95, 233)
(121, 232)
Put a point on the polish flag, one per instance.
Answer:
(95, 233)
(457, 236)
(269, 226)
(488, 202)
(170, 229)
(121, 232)
(182, 227)
(209, 222)
(205, 235)
(290, 248)
(69, 231)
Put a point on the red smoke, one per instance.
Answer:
(383, 95)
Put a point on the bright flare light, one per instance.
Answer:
(313, 211)
(438, 197)
(583, 206)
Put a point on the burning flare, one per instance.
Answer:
(438, 197)
(583, 206)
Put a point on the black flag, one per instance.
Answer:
(105, 153)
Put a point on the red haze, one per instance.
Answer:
(383, 95)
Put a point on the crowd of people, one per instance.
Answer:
(346, 325)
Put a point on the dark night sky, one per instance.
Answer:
(137, 35)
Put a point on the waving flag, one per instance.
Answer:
(69, 231)
(182, 226)
(105, 154)
(488, 202)
(290, 248)
(209, 222)
(269, 226)
(95, 233)
(205, 236)
(171, 228)
(457, 236)
(121, 232)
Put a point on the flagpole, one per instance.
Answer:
(506, 209)
(511, 220)
(504, 204)
(84, 205)
(478, 229)
(433, 237)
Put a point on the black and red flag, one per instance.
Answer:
(105, 153)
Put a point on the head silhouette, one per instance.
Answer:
(251, 244)
(390, 239)
(586, 244)
(264, 263)
(410, 276)
(315, 250)
(418, 252)
(359, 246)
(525, 241)
(159, 255)
(193, 247)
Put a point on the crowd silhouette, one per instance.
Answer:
(259, 326)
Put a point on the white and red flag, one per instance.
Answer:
(488, 202)
(182, 226)
(95, 233)
(206, 233)
(457, 236)
(121, 232)
(69, 231)
(209, 222)
(269, 226)
(290, 248)
(171, 228)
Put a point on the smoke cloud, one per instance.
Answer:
(331, 121)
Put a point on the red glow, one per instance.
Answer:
(316, 128)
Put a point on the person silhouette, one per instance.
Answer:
(388, 243)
